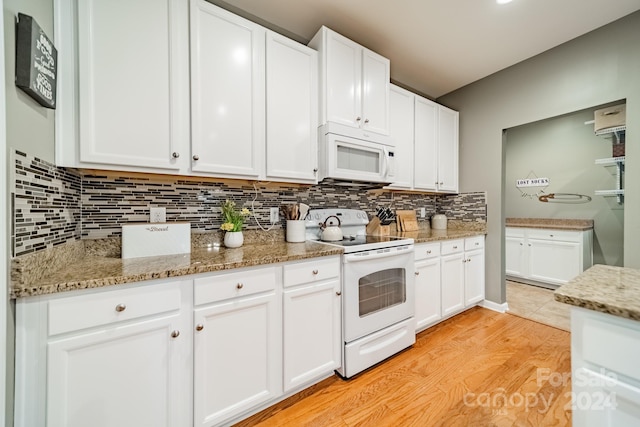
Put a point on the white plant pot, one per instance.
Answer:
(233, 239)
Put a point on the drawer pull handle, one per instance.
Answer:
(239, 286)
(338, 293)
(175, 334)
(315, 272)
(121, 307)
(455, 247)
(429, 251)
(417, 273)
(550, 235)
(199, 327)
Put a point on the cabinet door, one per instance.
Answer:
(447, 150)
(227, 93)
(237, 357)
(292, 110)
(311, 332)
(515, 264)
(452, 274)
(375, 92)
(131, 375)
(343, 80)
(554, 262)
(426, 149)
(428, 298)
(401, 130)
(473, 277)
(132, 83)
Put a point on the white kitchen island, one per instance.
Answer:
(605, 345)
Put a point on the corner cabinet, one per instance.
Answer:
(209, 99)
(354, 83)
(118, 357)
(426, 138)
(123, 96)
(547, 256)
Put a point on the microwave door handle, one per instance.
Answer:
(385, 162)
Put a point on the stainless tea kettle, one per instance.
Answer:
(330, 232)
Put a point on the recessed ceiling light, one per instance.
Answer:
(503, 1)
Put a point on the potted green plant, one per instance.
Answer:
(233, 220)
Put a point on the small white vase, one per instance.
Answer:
(233, 239)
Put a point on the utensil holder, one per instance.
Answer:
(295, 232)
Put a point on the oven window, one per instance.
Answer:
(380, 290)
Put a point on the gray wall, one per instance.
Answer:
(594, 69)
(564, 150)
(30, 127)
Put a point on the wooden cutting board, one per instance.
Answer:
(407, 220)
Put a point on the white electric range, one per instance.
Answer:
(377, 287)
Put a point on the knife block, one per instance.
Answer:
(374, 228)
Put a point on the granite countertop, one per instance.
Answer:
(604, 288)
(92, 271)
(552, 223)
(85, 264)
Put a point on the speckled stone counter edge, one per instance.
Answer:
(554, 223)
(607, 289)
(95, 263)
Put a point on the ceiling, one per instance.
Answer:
(434, 46)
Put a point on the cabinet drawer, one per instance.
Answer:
(427, 250)
(515, 232)
(232, 285)
(85, 311)
(472, 243)
(451, 247)
(559, 235)
(609, 344)
(311, 271)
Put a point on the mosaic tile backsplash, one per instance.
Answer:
(54, 205)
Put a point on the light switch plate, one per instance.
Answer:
(158, 214)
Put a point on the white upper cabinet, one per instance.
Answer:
(401, 130)
(127, 102)
(354, 83)
(426, 138)
(227, 93)
(447, 150)
(292, 110)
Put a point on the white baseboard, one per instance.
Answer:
(500, 308)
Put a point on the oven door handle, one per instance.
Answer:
(370, 256)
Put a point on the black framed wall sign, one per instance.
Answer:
(36, 62)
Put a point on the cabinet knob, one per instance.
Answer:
(441, 183)
(196, 157)
(550, 235)
(417, 273)
(175, 155)
(477, 244)
(455, 247)
(429, 251)
(464, 260)
(121, 307)
(366, 120)
(529, 244)
(315, 272)
(358, 119)
(315, 170)
(338, 293)
(521, 244)
(239, 286)
(199, 327)
(175, 334)
(468, 259)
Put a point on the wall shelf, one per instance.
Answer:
(611, 161)
(618, 192)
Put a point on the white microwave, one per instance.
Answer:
(345, 158)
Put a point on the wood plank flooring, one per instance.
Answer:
(480, 368)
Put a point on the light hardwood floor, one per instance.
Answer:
(536, 303)
(480, 368)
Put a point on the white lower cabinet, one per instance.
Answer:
(118, 357)
(449, 278)
(312, 325)
(547, 256)
(427, 271)
(237, 344)
(605, 378)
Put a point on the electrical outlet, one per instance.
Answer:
(274, 215)
(158, 214)
(423, 212)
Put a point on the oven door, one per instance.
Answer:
(378, 290)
